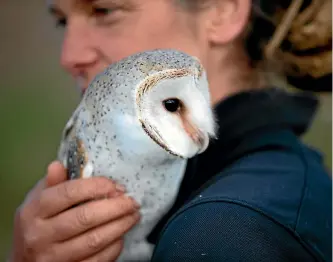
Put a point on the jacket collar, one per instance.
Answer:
(239, 118)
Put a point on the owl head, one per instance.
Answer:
(174, 108)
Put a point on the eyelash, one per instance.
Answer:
(101, 11)
(62, 22)
(101, 14)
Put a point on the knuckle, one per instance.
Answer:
(125, 206)
(96, 186)
(23, 214)
(103, 184)
(94, 241)
(31, 240)
(33, 235)
(99, 186)
(67, 191)
(20, 215)
(44, 201)
(83, 216)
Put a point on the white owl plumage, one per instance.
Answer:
(138, 123)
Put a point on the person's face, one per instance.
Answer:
(101, 32)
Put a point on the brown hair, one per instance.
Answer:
(288, 38)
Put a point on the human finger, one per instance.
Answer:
(73, 192)
(95, 240)
(109, 254)
(89, 215)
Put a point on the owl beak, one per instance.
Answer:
(201, 140)
(76, 159)
(198, 137)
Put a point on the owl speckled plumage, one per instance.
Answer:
(138, 123)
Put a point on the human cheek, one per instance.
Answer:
(116, 47)
(111, 46)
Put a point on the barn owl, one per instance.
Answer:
(138, 123)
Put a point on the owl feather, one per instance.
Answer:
(138, 123)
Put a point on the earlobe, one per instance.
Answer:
(227, 20)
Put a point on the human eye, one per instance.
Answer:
(61, 22)
(59, 17)
(104, 13)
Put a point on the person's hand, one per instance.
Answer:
(48, 228)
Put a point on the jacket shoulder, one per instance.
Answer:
(287, 187)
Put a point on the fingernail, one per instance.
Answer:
(120, 188)
(136, 215)
(114, 193)
(136, 205)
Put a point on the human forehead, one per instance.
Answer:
(56, 5)
(66, 4)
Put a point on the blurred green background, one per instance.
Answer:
(37, 97)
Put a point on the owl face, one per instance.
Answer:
(175, 111)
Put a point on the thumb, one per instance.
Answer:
(56, 173)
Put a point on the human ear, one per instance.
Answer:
(227, 19)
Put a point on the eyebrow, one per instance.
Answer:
(51, 7)
(53, 10)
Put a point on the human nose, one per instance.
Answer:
(78, 52)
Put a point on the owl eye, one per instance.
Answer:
(172, 104)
